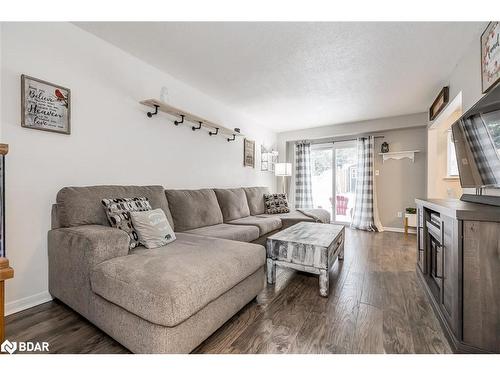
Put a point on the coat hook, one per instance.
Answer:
(214, 133)
(179, 122)
(232, 139)
(197, 127)
(151, 114)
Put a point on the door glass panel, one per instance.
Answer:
(321, 171)
(345, 181)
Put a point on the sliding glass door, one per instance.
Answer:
(334, 178)
(321, 176)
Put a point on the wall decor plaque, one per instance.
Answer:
(490, 56)
(249, 153)
(45, 106)
(439, 103)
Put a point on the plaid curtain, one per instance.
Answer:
(363, 216)
(483, 149)
(303, 189)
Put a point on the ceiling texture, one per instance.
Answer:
(291, 75)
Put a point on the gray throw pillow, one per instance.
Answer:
(118, 212)
(276, 204)
(153, 228)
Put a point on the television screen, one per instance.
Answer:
(477, 143)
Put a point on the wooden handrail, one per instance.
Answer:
(6, 273)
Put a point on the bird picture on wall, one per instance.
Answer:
(45, 106)
(60, 97)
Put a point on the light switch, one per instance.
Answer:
(376, 172)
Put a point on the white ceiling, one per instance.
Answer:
(299, 75)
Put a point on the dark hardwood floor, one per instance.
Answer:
(376, 305)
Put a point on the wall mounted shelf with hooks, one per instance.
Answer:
(182, 116)
(399, 155)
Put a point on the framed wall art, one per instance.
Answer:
(45, 106)
(249, 153)
(439, 103)
(490, 56)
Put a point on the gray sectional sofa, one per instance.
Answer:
(169, 299)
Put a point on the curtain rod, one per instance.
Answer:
(325, 141)
(355, 139)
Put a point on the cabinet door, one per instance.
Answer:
(481, 279)
(449, 271)
(420, 240)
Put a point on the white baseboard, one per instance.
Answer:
(27, 302)
(400, 230)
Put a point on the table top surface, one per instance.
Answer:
(307, 233)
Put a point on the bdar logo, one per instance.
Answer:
(24, 346)
(8, 347)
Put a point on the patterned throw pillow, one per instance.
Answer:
(118, 213)
(276, 204)
(153, 228)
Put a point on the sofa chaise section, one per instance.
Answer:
(168, 285)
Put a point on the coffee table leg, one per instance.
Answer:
(323, 283)
(271, 271)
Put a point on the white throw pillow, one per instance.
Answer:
(153, 228)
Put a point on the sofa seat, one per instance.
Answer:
(244, 233)
(265, 224)
(169, 284)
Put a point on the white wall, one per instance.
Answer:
(439, 184)
(466, 76)
(112, 140)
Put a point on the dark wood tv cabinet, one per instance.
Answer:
(458, 263)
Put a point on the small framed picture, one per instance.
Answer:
(249, 153)
(439, 103)
(45, 106)
(490, 56)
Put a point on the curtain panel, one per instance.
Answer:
(303, 188)
(365, 215)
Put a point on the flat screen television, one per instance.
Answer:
(476, 136)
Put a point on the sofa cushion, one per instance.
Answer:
(265, 224)
(193, 208)
(276, 203)
(255, 199)
(233, 203)
(245, 233)
(119, 210)
(290, 218)
(82, 205)
(168, 285)
(152, 228)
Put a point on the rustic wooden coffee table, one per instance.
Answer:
(308, 247)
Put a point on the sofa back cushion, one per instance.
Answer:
(255, 199)
(233, 203)
(193, 209)
(82, 205)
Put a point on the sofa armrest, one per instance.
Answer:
(97, 243)
(73, 253)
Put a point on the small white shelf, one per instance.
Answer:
(399, 155)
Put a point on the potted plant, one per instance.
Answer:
(410, 217)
